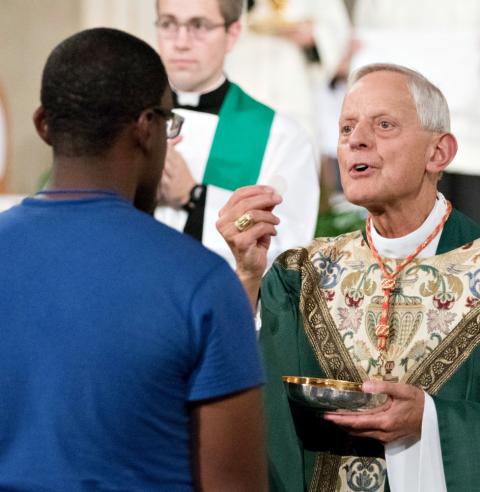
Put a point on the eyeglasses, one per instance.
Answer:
(173, 120)
(197, 27)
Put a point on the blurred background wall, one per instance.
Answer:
(29, 29)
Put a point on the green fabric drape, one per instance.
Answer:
(240, 141)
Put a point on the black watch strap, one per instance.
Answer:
(196, 196)
(196, 212)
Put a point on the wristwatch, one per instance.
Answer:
(196, 194)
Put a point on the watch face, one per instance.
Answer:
(197, 192)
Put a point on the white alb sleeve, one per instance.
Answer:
(416, 465)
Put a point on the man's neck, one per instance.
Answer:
(210, 102)
(197, 92)
(401, 219)
(87, 174)
(401, 247)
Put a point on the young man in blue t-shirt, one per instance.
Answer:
(128, 356)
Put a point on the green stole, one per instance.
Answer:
(458, 230)
(240, 141)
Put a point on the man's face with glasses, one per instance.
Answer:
(193, 40)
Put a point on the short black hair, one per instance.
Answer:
(94, 83)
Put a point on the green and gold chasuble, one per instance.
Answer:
(320, 306)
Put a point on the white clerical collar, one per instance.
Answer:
(400, 247)
(193, 98)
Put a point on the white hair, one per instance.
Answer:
(432, 108)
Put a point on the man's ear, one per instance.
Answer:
(143, 129)
(443, 151)
(41, 125)
(233, 33)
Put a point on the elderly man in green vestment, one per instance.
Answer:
(396, 309)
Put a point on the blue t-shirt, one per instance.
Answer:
(111, 324)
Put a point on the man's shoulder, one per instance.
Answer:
(243, 93)
(466, 223)
(180, 248)
(458, 231)
(132, 233)
(287, 127)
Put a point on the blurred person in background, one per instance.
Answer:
(297, 46)
(229, 140)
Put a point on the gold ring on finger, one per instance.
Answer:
(244, 222)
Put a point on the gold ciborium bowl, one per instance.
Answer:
(331, 395)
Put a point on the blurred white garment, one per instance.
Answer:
(275, 70)
(415, 465)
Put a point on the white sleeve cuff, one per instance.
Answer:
(258, 318)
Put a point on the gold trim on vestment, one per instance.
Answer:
(437, 369)
(319, 326)
(322, 331)
(329, 350)
(325, 473)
